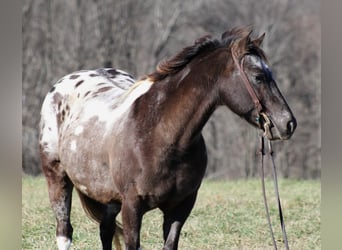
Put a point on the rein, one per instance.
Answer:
(266, 126)
(276, 190)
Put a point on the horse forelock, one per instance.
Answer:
(240, 40)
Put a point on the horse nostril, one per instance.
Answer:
(291, 126)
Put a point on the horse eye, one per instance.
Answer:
(260, 78)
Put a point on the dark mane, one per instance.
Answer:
(204, 44)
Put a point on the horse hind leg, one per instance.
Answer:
(60, 194)
(105, 215)
(108, 226)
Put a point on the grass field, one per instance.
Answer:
(227, 215)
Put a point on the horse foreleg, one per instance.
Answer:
(131, 219)
(174, 220)
(60, 193)
(108, 225)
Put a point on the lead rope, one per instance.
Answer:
(275, 180)
(276, 189)
(262, 152)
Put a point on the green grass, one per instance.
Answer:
(227, 215)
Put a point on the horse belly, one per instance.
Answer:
(84, 156)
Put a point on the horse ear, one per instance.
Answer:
(240, 46)
(242, 39)
(258, 41)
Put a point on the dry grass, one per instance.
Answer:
(227, 215)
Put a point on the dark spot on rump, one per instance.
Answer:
(59, 119)
(101, 83)
(103, 89)
(93, 75)
(52, 89)
(79, 83)
(112, 71)
(125, 74)
(67, 108)
(59, 105)
(74, 76)
(60, 80)
(88, 92)
(57, 98)
(78, 95)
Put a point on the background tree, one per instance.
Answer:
(61, 36)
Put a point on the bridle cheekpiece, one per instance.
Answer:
(267, 123)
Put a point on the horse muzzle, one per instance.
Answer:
(282, 130)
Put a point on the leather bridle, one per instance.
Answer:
(247, 83)
(265, 125)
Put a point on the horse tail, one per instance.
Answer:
(94, 209)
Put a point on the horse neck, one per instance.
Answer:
(177, 108)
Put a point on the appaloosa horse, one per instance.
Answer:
(133, 146)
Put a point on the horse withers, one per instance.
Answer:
(133, 146)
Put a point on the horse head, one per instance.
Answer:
(248, 88)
